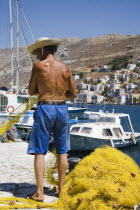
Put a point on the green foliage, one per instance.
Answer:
(92, 70)
(105, 92)
(91, 89)
(122, 80)
(120, 62)
(134, 100)
(81, 75)
(138, 64)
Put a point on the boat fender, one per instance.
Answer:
(120, 136)
(111, 141)
(133, 138)
(10, 109)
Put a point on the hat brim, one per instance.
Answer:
(42, 43)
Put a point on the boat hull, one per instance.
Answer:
(88, 143)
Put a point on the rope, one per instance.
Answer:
(26, 21)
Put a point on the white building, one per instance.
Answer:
(104, 67)
(76, 77)
(130, 87)
(97, 99)
(121, 99)
(83, 86)
(87, 79)
(98, 88)
(85, 97)
(114, 86)
(102, 80)
(106, 78)
(131, 66)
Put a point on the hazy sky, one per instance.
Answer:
(71, 18)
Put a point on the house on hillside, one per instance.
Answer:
(114, 86)
(98, 88)
(106, 77)
(138, 85)
(114, 76)
(82, 86)
(76, 77)
(85, 97)
(130, 87)
(124, 76)
(129, 98)
(97, 99)
(121, 99)
(120, 91)
(131, 66)
(87, 79)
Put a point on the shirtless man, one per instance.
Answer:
(52, 80)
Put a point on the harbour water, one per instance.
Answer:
(134, 111)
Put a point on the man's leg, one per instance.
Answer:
(62, 167)
(39, 168)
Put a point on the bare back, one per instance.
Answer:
(53, 80)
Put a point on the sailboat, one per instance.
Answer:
(11, 102)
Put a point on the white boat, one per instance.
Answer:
(90, 115)
(107, 130)
(11, 103)
(76, 109)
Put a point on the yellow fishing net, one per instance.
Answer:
(24, 107)
(105, 180)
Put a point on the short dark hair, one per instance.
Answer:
(51, 48)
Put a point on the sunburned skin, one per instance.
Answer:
(52, 80)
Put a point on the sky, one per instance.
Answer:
(70, 18)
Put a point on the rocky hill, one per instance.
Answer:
(79, 55)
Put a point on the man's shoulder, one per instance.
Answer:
(65, 67)
(37, 65)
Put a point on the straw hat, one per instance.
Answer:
(42, 42)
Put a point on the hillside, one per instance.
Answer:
(79, 55)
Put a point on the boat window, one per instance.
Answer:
(106, 119)
(86, 130)
(75, 129)
(117, 131)
(3, 103)
(21, 99)
(107, 132)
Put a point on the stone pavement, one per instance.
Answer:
(17, 173)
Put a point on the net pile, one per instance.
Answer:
(105, 180)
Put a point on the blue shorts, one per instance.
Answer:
(48, 120)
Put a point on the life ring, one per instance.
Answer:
(10, 109)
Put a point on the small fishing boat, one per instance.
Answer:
(107, 130)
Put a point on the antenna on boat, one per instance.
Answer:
(11, 40)
(17, 48)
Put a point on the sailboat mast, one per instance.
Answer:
(11, 41)
(17, 47)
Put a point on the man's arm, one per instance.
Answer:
(33, 88)
(71, 92)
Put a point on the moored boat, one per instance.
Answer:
(107, 130)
